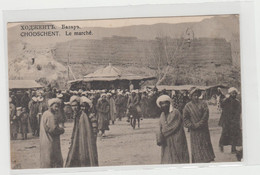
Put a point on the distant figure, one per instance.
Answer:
(219, 96)
(230, 121)
(33, 60)
(196, 115)
(133, 106)
(120, 105)
(144, 104)
(112, 107)
(34, 109)
(171, 135)
(25, 101)
(102, 108)
(83, 148)
(131, 86)
(50, 150)
(24, 123)
(14, 125)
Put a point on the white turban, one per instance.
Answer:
(59, 95)
(74, 98)
(164, 98)
(85, 100)
(34, 99)
(52, 101)
(232, 89)
(40, 98)
(103, 95)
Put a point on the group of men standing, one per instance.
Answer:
(44, 114)
(171, 136)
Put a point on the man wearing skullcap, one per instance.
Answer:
(230, 121)
(171, 136)
(102, 108)
(83, 148)
(195, 117)
(50, 149)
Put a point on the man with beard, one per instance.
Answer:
(103, 114)
(230, 121)
(83, 149)
(196, 115)
(171, 135)
(50, 150)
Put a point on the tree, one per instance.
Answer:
(167, 53)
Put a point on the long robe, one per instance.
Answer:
(83, 149)
(103, 114)
(50, 150)
(175, 149)
(120, 106)
(230, 123)
(14, 120)
(144, 106)
(112, 109)
(196, 117)
(34, 109)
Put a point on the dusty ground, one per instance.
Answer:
(121, 146)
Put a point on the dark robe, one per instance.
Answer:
(196, 117)
(103, 114)
(174, 147)
(83, 149)
(50, 150)
(14, 119)
(230, 123)
(33, 112)
(134, 106)
(24, 123)
(120, 108)
(144, 105)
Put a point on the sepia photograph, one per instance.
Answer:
(122, 92)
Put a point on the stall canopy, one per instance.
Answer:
(186, 87)
(23, 84)
(111, 75)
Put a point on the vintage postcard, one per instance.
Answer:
(133, 91)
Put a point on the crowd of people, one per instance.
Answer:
(44, 114)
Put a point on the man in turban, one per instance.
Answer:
(83, 148)
(230, 121)
(50, 150)
(196, 115)
(171, 135)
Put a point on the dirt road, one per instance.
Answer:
(121, 146)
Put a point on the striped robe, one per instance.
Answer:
(174, 149)
(196, 117)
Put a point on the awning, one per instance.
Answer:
(23, 84)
